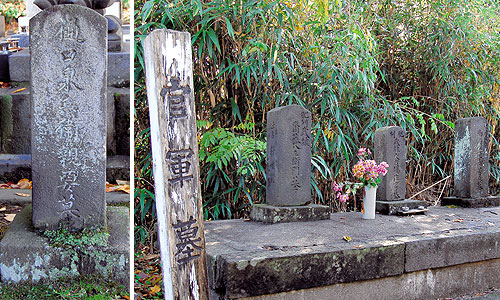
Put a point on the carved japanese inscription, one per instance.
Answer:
(390, 146)
(169, 84)
(471, 176)
(288, 156)
(68, 80)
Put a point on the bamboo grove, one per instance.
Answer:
(356, 65)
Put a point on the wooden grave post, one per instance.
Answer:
(169, 83)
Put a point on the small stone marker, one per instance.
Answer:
(390, 146)
(471, 178)
(2, 26)
(169, 82)
(288, 156)
(288, 185)
(68, 142)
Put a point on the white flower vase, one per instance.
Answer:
(368, 208)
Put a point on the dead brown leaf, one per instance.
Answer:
(155, 289)
(9, 217)
(23, 195)
(19, 90)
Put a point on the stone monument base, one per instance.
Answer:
(27, 256)
(472, 202)
(280, 214)
(397, 207)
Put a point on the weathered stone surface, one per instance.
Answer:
(301, 255)
(488, 201)
(18, 197)
(14, 167)
(390, 146)
(471, 158)
(274, 274)
(2, 26)
(454, 281)
(288, 156)
(122, 122)
(25, 255)
(15, 123)
(4, 65)
(448, 249)
(118, 167)
(68, 143)
(118, 67)
(281, 214)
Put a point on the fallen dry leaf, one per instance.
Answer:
(19, 90)
(155, 289)
(23, 195)
(10, 217)
(24, 184)
(491, 224)
(122, 182)
(359, 246)
(458, 220)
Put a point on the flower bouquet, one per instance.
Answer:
(369, 173)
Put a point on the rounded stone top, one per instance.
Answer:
(92, 4)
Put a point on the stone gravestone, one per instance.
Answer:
(390, 146)
(169, 82)
(471, 178)
(288, 187)
(2, 26)
(68, 129)
(68, 88)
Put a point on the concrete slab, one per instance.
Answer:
(251, 259)
(441, 283)
(25, 255)
(270, 214)
(472, 202)
(11, 196)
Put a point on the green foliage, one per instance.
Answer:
(356, 65)
(87, 287)
(12, 9)
(232, 167)
(77, 240)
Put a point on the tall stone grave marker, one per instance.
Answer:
(471, 179)
(390, 146)
(288, 187)
(169, 82)
(68, 129)
(2, 26)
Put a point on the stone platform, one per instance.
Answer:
(447, 252)
(11, 196)
(25, 255)
(472, 202)
(270, 214)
